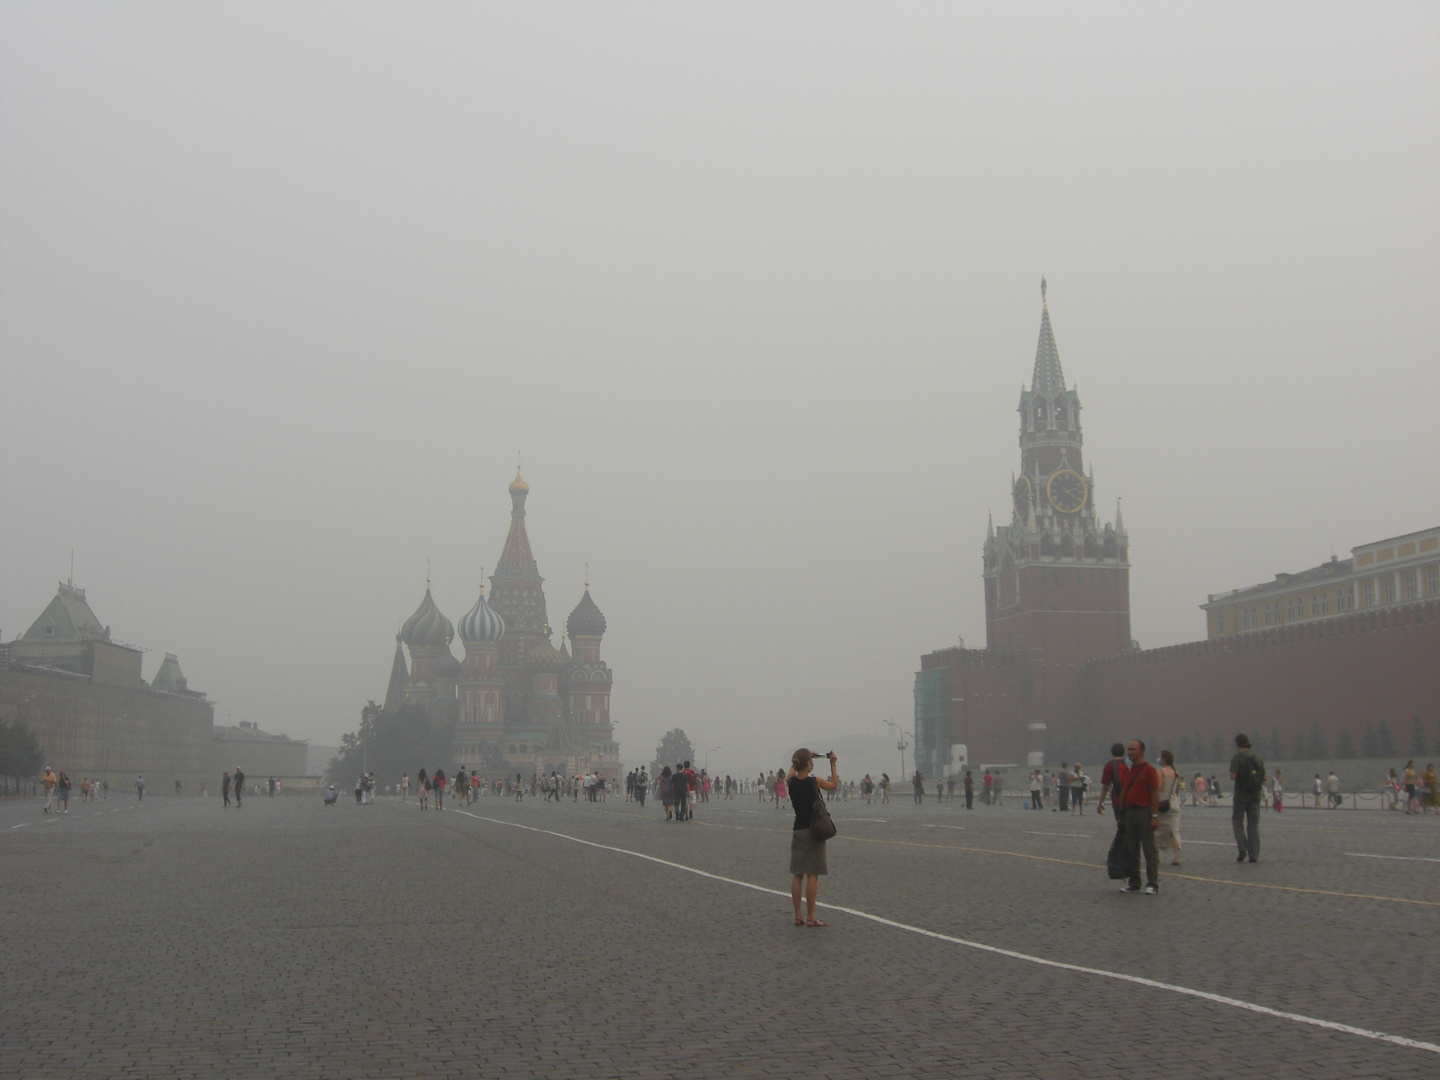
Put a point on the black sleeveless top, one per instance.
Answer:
(803, 793)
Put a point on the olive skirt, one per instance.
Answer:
(807, 855)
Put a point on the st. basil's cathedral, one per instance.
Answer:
(514, 696)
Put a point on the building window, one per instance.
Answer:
(1432, 580)
(1292, 611)
(1367, 594)
(1345, 598)
(1412, 585)
(1324, 603)
(1387, 588)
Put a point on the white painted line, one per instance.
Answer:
(1082, 835)
(20, 826)
(957, 828)
(1184, 991)
(1406, 858)
(881, 820)
(1209, 843)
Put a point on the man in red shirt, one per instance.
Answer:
(1140, 794)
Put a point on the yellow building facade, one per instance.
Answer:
(1385, 573)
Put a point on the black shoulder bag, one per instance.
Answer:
(821, 826)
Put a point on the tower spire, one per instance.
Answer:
(1048, 378)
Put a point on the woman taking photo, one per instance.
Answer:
(807, 855)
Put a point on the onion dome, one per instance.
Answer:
(586, 620)
(427, 626)
(518, 485)
(542, 656)
(447, 667)
(481, 622)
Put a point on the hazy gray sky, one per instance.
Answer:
(754, 287)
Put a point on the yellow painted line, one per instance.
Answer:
(1092, 866)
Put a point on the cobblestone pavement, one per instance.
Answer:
(175, 939)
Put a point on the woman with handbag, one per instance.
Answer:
(1172, 792)
(807, 849)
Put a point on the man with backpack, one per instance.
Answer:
(1247, 770)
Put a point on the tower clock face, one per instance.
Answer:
(1023, 494)
(1066, 491)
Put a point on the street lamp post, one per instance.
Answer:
(900, 745)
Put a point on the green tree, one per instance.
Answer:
(1275, 748)
(1217, 748)
(1300, 744)
(20, 752)
(1369, 743)
(1385, 741)
(1419, 744)
(1315, 747)
(672, 749)
(1345, 745)
(390, 743)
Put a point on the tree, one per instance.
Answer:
(1275, 750)
(1300, 746)
(1315, 747)
(20, 752)
(673, 748)
(1418, 743)
(391, 742)
(1217, 749)
(1369, 746)
(1182, 748)
(1384, 741)
(1345, 745)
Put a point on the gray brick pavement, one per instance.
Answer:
(174, 939)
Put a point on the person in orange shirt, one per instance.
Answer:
(47, 781)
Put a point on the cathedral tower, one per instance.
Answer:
(481, 716)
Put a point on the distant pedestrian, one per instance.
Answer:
(225, 791)
(140, 788)
(884, 787)
(1318, 790)
(917, 786)
(985, 783)
(950, 789)
(62, 791)
(239, 786)
(642, 787)
(969, 790)
(1411, 790)
(1035, 782)
(1197, 791)
(1062, 788)
(422, 789)
(1247, 770)
(1077, 790)
(405, 787)
(1277, 791)
(47, 783)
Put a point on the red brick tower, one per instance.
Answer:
(1056, 578)
(517, 591)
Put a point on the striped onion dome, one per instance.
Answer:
(427, 627)
(482, 622)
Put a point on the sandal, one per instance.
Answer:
(816, 922)
(799, 922)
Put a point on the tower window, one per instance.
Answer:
(1061, 414)
(1039, 413)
